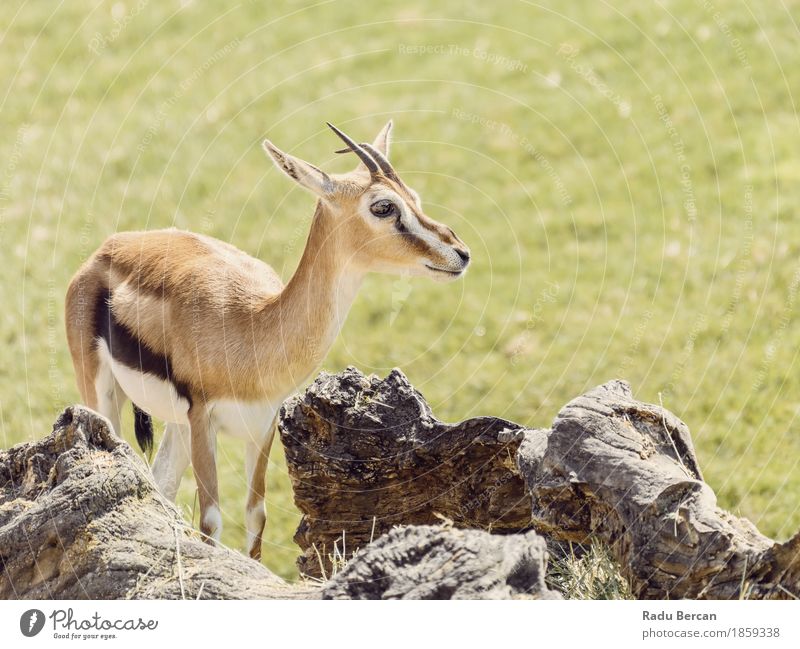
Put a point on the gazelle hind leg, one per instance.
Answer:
(109, 397)
(173, 456)
(255, 516)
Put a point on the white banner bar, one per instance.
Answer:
(400, 624)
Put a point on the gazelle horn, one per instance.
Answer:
(358, 150)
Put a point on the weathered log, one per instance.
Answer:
(426, 562)
(625, 472)
(365, 454)
(81, 518)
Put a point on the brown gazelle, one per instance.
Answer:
(199, 334)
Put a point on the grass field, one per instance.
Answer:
(627, 176)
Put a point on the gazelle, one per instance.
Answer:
(199, 334)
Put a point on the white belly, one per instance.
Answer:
(150, 393)
(247, 420)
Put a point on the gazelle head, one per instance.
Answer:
(379, 224)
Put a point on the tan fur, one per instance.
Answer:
(229, 327)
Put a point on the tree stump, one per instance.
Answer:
(366, 454)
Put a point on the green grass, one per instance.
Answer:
(587, 264)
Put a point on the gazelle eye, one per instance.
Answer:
(383, 208)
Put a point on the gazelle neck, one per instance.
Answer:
(309, 312)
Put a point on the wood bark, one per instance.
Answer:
(80, 518)
(625, 472)
(366, 454)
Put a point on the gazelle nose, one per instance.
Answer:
(464, 256)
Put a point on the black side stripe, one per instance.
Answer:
(125, 348)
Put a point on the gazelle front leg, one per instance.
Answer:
(255, 515)
(204, 464)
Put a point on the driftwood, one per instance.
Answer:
(626, 473)
(425, 562)
(80, 517)
(365, 454)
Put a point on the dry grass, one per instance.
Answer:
(586, 573)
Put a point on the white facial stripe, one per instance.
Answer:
(411, 222)
(412, 225)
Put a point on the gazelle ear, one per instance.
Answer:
(383, 139)
(304, 173)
